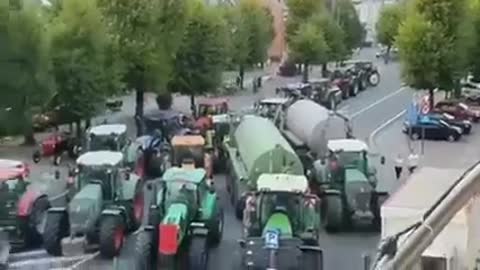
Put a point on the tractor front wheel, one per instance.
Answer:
(311, 260)
(198, 253)
(216, 228)
(112, 235)
(53, 233)
(145, 252)
(332, 213)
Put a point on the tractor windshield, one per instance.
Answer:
(180, 191)
(183, 153)
(12, 185)
(89, 173)
(103, 142)
(352, 159)
(212, 109)
(280, 202)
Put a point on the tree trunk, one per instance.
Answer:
(139, 100)
(386, 57)
(192, 105)
(78, 128)
(324, 70)
(241, 74)
(457, 90)
(28, 134)
(305, 72)
(431, 98)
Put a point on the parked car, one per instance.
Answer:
(366, 71)
(465, 125)
(459, 110)
(432, 129)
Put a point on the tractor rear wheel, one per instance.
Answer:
(138, 207)
(198, 253)
(36, 222)
(53, 233)
(311, 260)
(332, 213)
(216, 228)
(145, 253)
(112, 235)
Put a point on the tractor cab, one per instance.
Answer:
(103, 168)
(208, 108)
(12, 186)
(112, 137)
(268, 107)
(189, 152)
(281, 225)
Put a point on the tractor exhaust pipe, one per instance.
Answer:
(4, 250)
(272, 262)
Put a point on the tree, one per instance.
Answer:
(308, 46)
(149, 33)
(387, 25)
(299, 11)
(474, 49)
(432, 44)
(251, 34)
(24, 61)
(200, 59)
(82, 67)
(347, 17)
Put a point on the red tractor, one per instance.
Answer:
(208, 108)
(55, 145)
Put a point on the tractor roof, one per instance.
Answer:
(347, 145)
(282, 182)
(188, 140)
(99, 158)
(221, 118)
(7, 174)
(115, 129)
(276, 100)
(10, 163)
(191, 175)
(213, 101)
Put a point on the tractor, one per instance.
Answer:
(188, 219)
(281, 226)
(346, 182)
(110, 137)
(22, 209)
(108, 204)
(191, 150)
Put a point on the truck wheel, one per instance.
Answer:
(144, 254)
(36, 222)
(354, 89)
(53, 233)
(332, 213)
(112, 235)
(216, 229)
(198, 254)
(311, 260)
(374, 79)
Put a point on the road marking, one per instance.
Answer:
(378, 102)
(90, 257)
(45, 261)
(16, 256)
(371, 138)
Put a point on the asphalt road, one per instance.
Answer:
(369, 110)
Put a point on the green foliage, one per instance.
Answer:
(388, 22)
(24, 60)
(334, 37)
(200, 59)
(148, 34)
(350, 23)
(308, 45)
(82, 69)
(422, 48)
(299, 11)
(474, 48)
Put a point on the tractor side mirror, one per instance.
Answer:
(382, 160)
(242, 243)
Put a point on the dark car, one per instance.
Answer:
(428, 128)
(465, 125)
(459, 110)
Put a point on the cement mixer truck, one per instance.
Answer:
(336, 164)
(255, 147)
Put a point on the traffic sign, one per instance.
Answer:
(425, 105)
(272, 239)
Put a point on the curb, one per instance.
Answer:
(372, 138)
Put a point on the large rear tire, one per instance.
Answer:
(53, 233)
(311, 260)
(145, 253)
(112, 236)
(198, 253)
(36, 222)
(216, 229)
(333, 213)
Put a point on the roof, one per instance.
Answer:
(318, 80)
(221, 118)
(6, 174)
(9, 163)
(192, 175)
(115, 129)
(274, 100)
(297, 85)
(188, 140)
(213, 101)
(99, 158)
(282, 182)
(347, 145)
(423, 188)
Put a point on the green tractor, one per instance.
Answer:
(186, 217)
(281, 226)
(346, 182)
(108, 204)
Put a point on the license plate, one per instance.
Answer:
(272, 239)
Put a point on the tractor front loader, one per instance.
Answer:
(184, 222)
